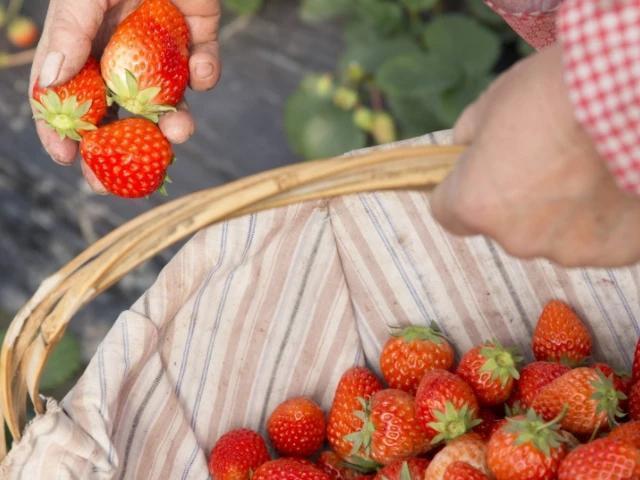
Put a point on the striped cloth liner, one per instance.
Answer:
(278, 304)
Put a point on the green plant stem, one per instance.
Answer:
(16, 59)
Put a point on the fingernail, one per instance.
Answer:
(204, 69)
(51, 68)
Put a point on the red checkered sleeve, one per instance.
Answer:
(601, 48)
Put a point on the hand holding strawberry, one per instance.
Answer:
(74, 28)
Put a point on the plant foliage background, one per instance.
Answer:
(409, 67)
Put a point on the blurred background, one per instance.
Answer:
(301, 79)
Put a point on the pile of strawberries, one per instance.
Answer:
(145, 70)
(559, 417)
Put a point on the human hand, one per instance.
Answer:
(75, 28)
(531, 178)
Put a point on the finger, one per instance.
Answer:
(199, 8)
(62, 152)
(178, 126)
(202, 29)
(447, 206)
(73, 24)
(92, 180)
(204, 66)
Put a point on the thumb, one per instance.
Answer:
(71, 27)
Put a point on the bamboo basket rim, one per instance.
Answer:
(41, 322)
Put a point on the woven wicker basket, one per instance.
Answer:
(42, 322)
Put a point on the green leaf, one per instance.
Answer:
(414, 115)
(482, 12)
(243, 7)
(449, 105)
(384, 16)
(370, 52)
(416, 74)
(316, 128)
(419, 5)
(463, 41)
(63, 363)
(320, 10)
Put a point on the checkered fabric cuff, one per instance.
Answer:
(601, 49)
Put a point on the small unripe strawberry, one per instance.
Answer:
(22, 32)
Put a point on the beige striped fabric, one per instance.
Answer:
(279, 304)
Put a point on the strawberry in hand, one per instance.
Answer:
(491, 371)
(410, 353)
(75, 107)
(129, 157)
(146, 62)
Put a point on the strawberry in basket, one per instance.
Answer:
(237, 454)
(297, 427)
(411, 469)
(390, 431)
(410, 353)
(356, 384)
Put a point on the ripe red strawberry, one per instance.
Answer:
(634, 401)
(526, 448)
(130, 157)
(410, 353)
(289, 469)
(146, 62)
(490, 423)
(469, 448)
(592, 401)
(605, 458)
(410, 469)
(627, 432)
(237, 454)
(297, 428)
(560, 335)
(635, 369)
(390, 431)
(533, 377)
(446, 406)
(356, 383)
(75, 107)
(491, 371)
(463, 471)
(22, 32)
(337, 469)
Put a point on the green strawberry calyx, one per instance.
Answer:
(607, 397)
(419, 332)
(361, 440)
(125, 91)
(532, 429)
(453, 422)
(64, 116)
(501, 363)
